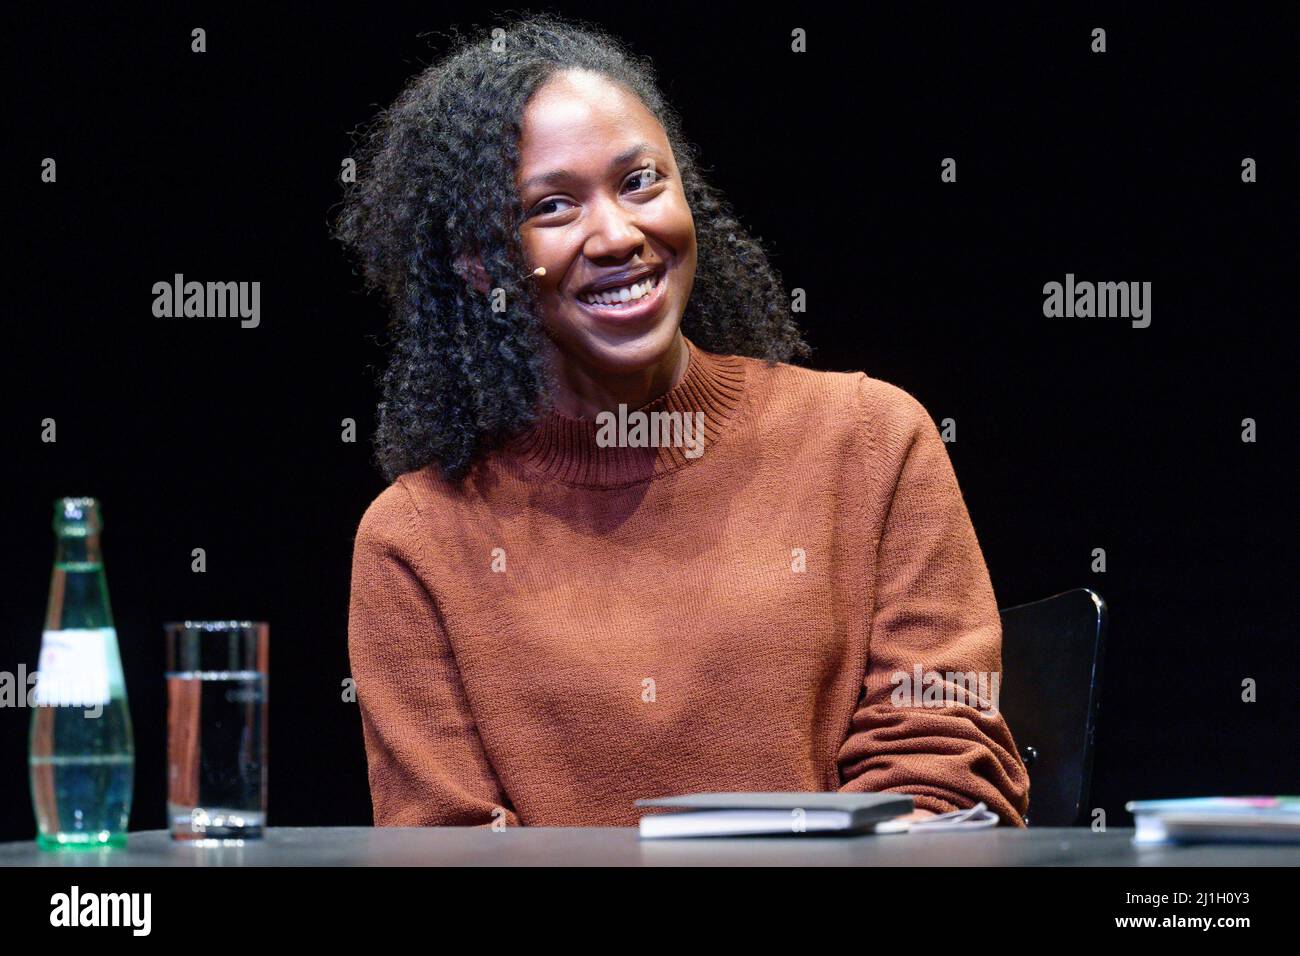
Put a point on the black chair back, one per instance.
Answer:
(1051, 680)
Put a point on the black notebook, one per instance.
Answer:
(754, 814)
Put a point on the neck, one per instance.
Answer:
(576, 449)
(584, 392)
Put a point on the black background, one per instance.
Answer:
(1072, 434)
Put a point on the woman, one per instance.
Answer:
(560, 606)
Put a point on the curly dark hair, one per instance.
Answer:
(436, 180)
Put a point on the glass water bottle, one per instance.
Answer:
(82, 756)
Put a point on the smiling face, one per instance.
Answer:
(604, 207)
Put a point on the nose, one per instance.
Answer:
(612, 232)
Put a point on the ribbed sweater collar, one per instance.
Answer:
(566, 448)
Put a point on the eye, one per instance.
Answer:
(540, 208)
(638, 177)
(642, 172)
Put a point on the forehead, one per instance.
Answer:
(579, 119)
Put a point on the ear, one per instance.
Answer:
(471, 270)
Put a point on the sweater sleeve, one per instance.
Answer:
(426, 763)
(934, 613)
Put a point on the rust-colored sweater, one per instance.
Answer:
(583, 625)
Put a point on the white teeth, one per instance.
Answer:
(616, 298)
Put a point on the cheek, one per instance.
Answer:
(537, 248)
(684, 245)
(678, 228)
(547, 248)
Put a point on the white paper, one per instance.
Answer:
(977, 817)
(741, 822)
(73, 670)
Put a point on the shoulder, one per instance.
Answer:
(895, 417)
(419, 506)
(891, 415)
(389, 521)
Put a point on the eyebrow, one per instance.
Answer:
(557, 176)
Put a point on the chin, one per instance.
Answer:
(613, 348)
(626, 352)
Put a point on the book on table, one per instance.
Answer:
(1273, 819)
(796, 813)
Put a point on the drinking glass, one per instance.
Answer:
(217, 686)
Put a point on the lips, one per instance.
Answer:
(618, 280)
(642, 308)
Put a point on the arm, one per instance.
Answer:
(426, 762)
(934, 606)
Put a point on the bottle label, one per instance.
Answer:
(74, 667)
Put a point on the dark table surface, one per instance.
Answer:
(573, 846)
